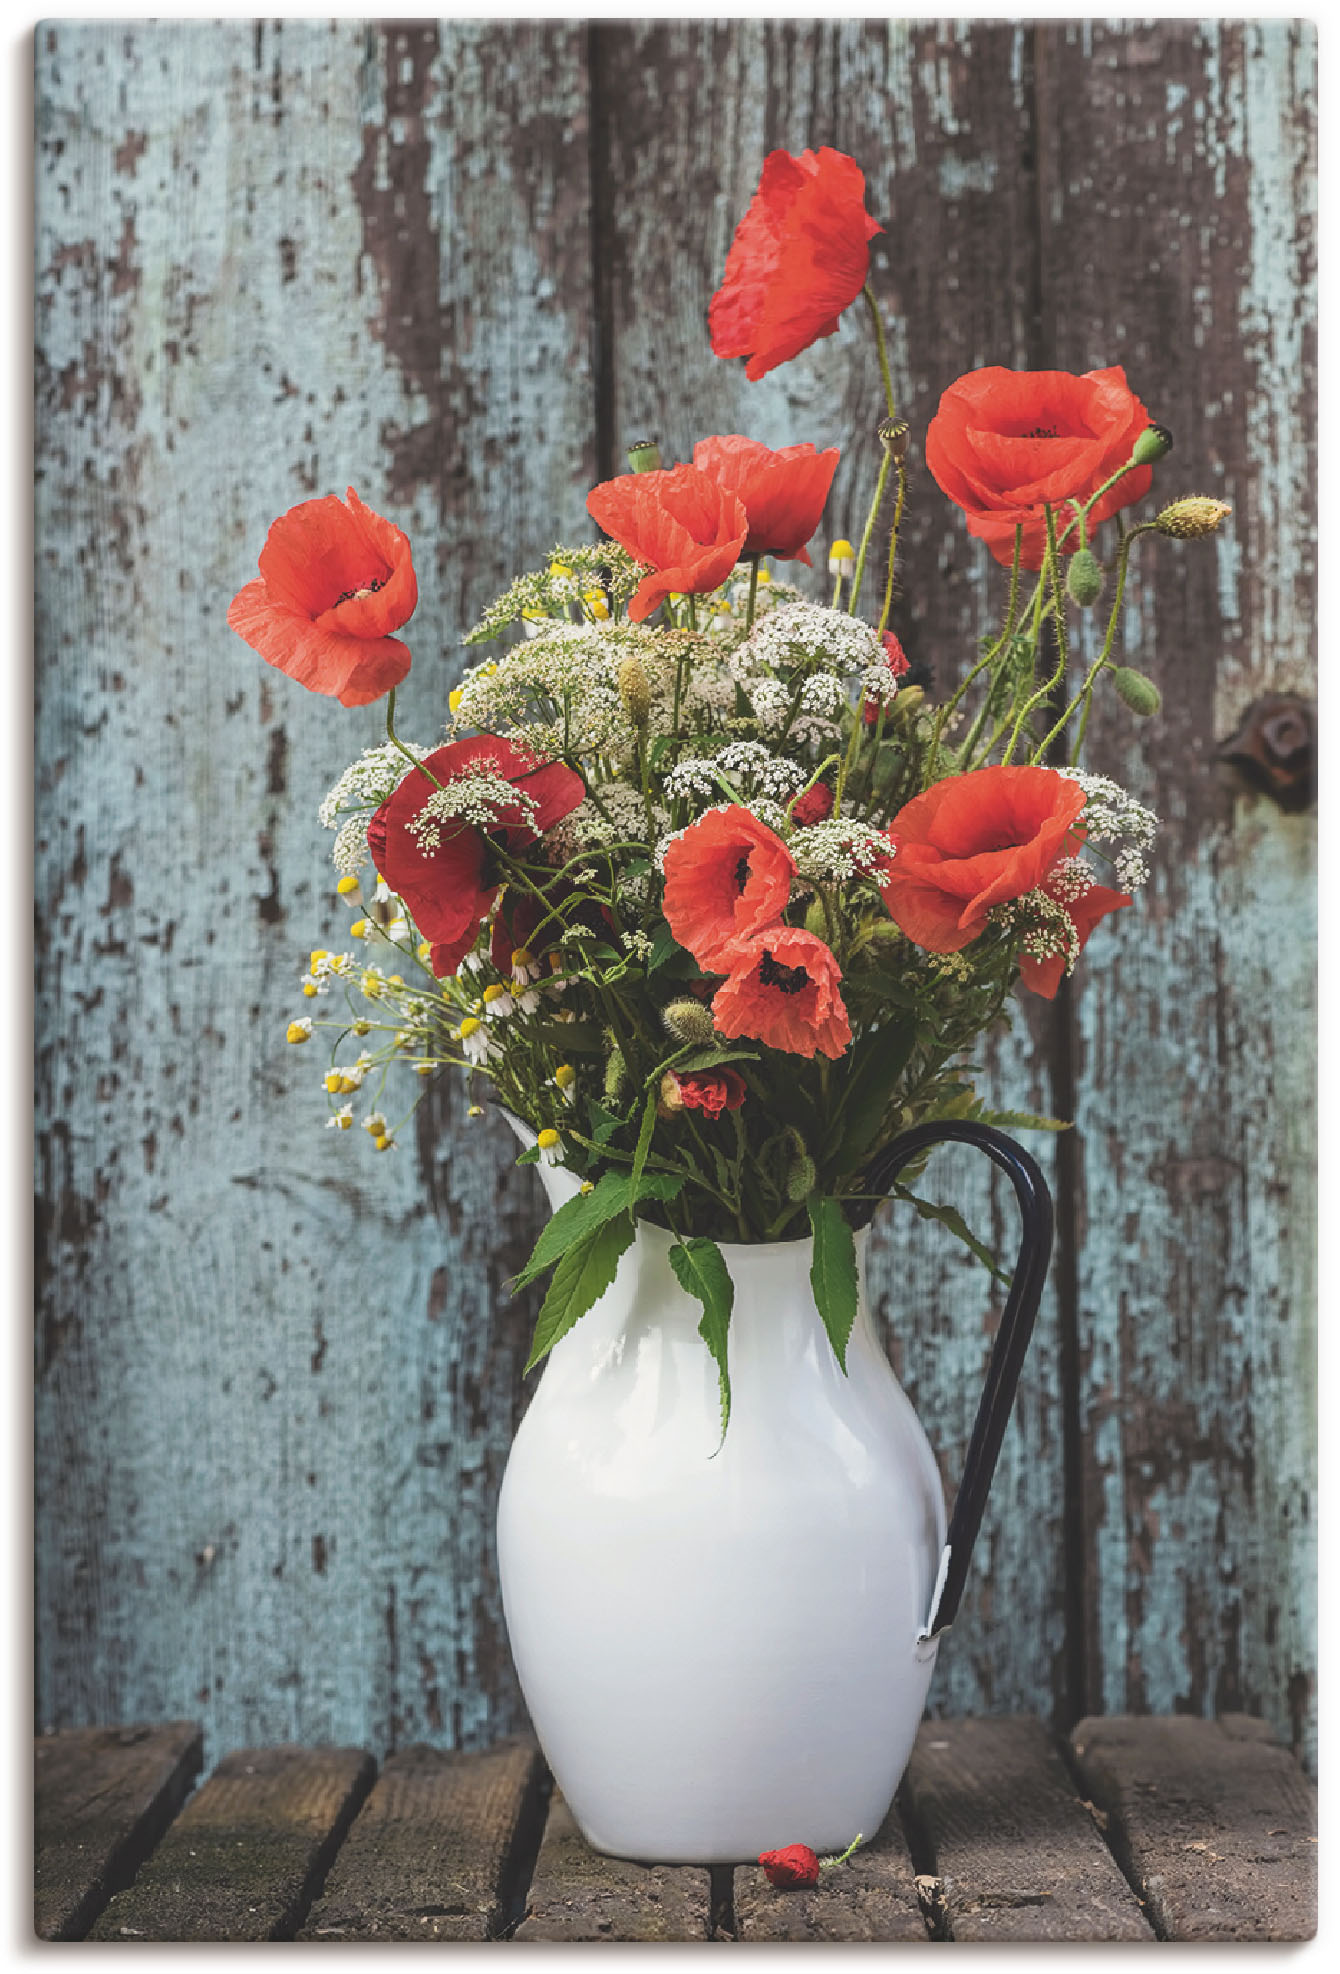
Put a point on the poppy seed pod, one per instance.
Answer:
(801, 1178)
(1136, 691)
(644, 455)
(634, 691)
(1151, 446)
(1084, 578)
(616, 1075)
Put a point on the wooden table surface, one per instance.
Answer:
(1137, 1828)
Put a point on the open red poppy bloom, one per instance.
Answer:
(444, 867)
(783, 492)
(710, 1090)
(1006, 443)
(800, 256)
(1086, 911)
(783, 990)
(974, 841)
(334, 581)
(689, 529)
(796, 1865)
(726, 877)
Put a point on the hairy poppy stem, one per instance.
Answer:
(754, 561)
(881, 346)
(871, 519)
(883, 624)
(396, 741)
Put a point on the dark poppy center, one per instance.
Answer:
(742, 872)
(368, 589)
(1043, 432)
(786, 979)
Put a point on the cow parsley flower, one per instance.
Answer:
(838, 850)
(810, 637)
(368, 781)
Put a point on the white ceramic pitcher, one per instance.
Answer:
(725, 1644)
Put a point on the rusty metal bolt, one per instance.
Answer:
(1275, 749)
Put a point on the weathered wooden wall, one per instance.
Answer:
(459, 265)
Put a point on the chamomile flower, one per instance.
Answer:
(342, 1120)
(477, 1045)
(498, 1003)
(565, 1076)
(550, 1147)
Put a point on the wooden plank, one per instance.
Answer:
(1214, 1822)
(1017, 1855)
(104, 1797)
(577, 1894)
(1185, 151)
(873, 1896)
(276, 257)
(243, 1859)
(435, 1851)
(938, 115)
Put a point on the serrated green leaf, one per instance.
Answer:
(833, 1273)
(950, 1217)
(712, 1059)
(579, 1217)
(877, 1063)
(1022, 1120)
(643, 1145)
(582, 1276)
(700, 1268)
(664, 946)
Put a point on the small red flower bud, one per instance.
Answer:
(814, 806)
(796, 1865)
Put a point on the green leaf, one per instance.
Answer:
(833, 1272)
(877, 1062)
(702, 1273)
(572, 1037)
(1022, 1120)
(712, 1058)
(580, 1279)
(643, 1145)
(664, 946)
(950, 1217)
(579, 1217)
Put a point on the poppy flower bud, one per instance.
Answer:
(908, 703)
(634, 691)
(816, 919)
(1136, 691)
(616, 1075)
(796, 1865)
(1084, 578)
(644, 456)
(689, 1021)
(671, 1098)
(1193, 515)
(1152, 444)
(801, 1177)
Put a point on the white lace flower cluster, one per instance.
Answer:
(478, 797)
(749, 767)
(575, 578)
(554, 693)
(620, 818)
(838, 850)
(811, 636)
(366, 782)
(1115, 823)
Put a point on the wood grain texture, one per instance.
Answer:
(1214, 1822)
(578, 1895)
(104, 1795)
(277, 1377)
(1195, 1079)
(1016, 1853)
(871, 1897)
(243, 1859)
(459, 265)
(433, 1853)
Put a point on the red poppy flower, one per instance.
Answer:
(690, 530)
(1004, 443)
(1086, 911)
(973, 841)
(450, 883)
(814, 806)
(796, 1865)
(783, 990)
(800, 256)
(334, 580)
(710, 1090)
(783, 492)
(726, 876)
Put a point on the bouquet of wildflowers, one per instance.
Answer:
(714, 897)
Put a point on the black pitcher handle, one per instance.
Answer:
(1007, 1354)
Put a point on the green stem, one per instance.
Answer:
(754, 561)
(881, 346)
(970, 757)
(893, 547)
(397, 742)
(1045, 690)
(871, 518)
(1010, 618)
